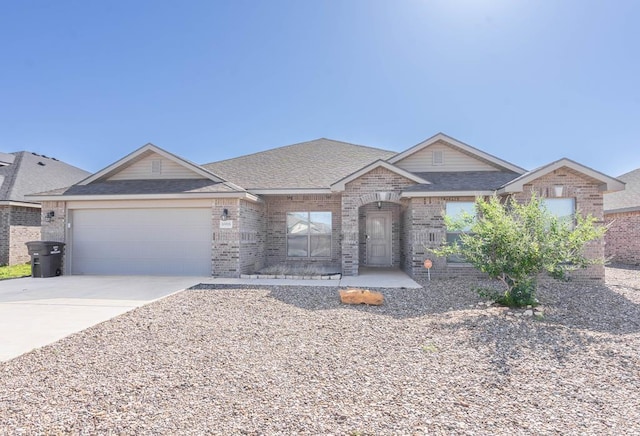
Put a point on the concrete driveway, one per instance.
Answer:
(36, 312)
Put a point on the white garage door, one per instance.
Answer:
(141, 241)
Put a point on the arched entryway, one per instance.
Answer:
(379, 230)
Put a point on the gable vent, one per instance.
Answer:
(438, 157)
(156, 167)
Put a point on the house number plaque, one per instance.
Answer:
(226, 224)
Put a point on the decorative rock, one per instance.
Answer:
(361, 296)
(528, 312)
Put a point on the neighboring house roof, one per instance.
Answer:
(6, 158)
(465, 148)
(607, 184)
(627, 200)
(30, 173)
(307, 165)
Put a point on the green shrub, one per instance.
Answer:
(515, 242)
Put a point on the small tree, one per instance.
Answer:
(515, 242)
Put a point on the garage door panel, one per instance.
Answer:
(142, 241)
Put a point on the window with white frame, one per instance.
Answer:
(309, 234)
(562, 208)
(455, 210)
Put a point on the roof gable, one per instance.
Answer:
(150, 162)
(606, 183)
(341, 184)
(457, 155)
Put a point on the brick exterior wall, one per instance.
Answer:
(588, 201)
(425, 229)
(365, 190)
(225, 243)
(277, 207)
(18, 225)
(54, 230)
(24, 227)
(258, 236)
(622, 241)
(253, 226)
(5, 234)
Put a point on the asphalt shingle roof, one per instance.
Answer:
(30, 173)
(312, 164)
(464, 181)
(629, 198)
(133, 187)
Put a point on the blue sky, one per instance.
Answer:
(529, 81)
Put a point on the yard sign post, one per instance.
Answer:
(428, 264)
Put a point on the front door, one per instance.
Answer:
(379, 238)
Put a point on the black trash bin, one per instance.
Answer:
(46, 258)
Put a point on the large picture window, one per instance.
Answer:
(562, 208)
(454, 210)
(309, 234)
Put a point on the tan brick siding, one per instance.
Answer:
(18, 225)
(252, 236)
(5, 234)
(426, 230)
(226, 242)
(55, 229)
(622, 241)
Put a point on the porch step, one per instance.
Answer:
(291, 277)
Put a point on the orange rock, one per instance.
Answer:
(361, 296)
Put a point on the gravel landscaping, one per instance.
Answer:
(293, 360)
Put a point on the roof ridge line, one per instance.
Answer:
(296, 144)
